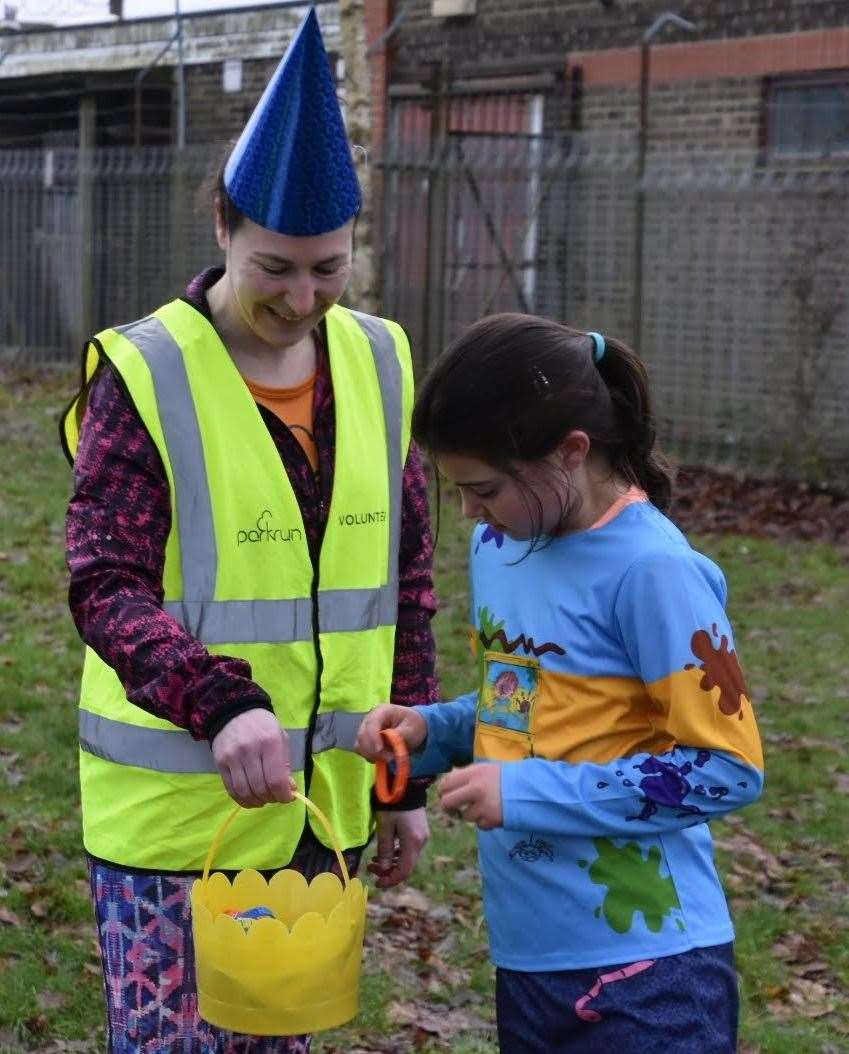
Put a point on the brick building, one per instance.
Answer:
(713, 234)
(710, 84)
(100, 218)
(128, 73)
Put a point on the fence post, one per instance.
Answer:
(177, 221)
(85, 219)
(437, 218)
(640, 200)
(178, 170)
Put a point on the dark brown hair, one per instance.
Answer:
(212, 191)
(512, 386)
(233, 218)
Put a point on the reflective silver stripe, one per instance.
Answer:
(337, 729)
(147, 748)
(391, 391)
(245, 621)
(185, 451)
(166, 751)
(260, 621)
(284, 621)
(358, 609)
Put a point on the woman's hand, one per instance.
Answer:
(473, 793)
(409, 724)
(252, 755)
(401, 836)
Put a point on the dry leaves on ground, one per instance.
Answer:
(725, 503)
(413, 940)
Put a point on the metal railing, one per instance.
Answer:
(744, 321)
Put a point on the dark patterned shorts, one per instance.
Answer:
(680, 1004)
(145, 932)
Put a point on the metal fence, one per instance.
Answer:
(744, 320)
(89, 240)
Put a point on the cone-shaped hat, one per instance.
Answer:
(291, 169)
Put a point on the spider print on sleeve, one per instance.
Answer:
(532, 849)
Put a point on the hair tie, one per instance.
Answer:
(598, 340)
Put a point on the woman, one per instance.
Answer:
(250, 564)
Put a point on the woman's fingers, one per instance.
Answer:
(252, 755)
(387, 850)
(239, 788)
(276, 767)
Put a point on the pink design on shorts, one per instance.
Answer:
(608, 978)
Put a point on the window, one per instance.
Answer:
(807, 115)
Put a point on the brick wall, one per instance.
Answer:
(378, 14)
(215, 115)
(742, 301)
(718, 114)
(705, 87)
(504, 30)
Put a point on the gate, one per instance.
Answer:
(466, 180)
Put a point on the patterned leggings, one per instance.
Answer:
(145, 932)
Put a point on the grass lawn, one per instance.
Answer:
(428, 985)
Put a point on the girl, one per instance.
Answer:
(609, 720)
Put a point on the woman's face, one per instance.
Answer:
(281, 286)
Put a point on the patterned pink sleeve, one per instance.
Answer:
(117, 525)
(414, 681)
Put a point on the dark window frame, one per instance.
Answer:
(772, 86)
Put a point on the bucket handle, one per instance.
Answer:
(331, 834)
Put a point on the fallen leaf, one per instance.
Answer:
(51, 1000)
(9, 918)
(407, 898)
(796, 948)
(37, 1024)
(437, 1020)
(21, 864)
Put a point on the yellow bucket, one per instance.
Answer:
(298, 972)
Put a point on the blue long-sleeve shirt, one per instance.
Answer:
(610, 693)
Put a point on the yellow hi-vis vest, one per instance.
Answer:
(239, 578)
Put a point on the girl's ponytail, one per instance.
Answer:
(512, 386)
(633, 455)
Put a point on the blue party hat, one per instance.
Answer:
(291, 170)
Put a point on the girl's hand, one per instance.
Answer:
(252, 755)
(474, 794)
(410, 725)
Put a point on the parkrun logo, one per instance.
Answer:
(264, 532)
(361, 519)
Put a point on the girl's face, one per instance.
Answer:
(535, 503)
(281, 286)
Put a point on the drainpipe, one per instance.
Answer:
(668, 18)
(181, 81)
